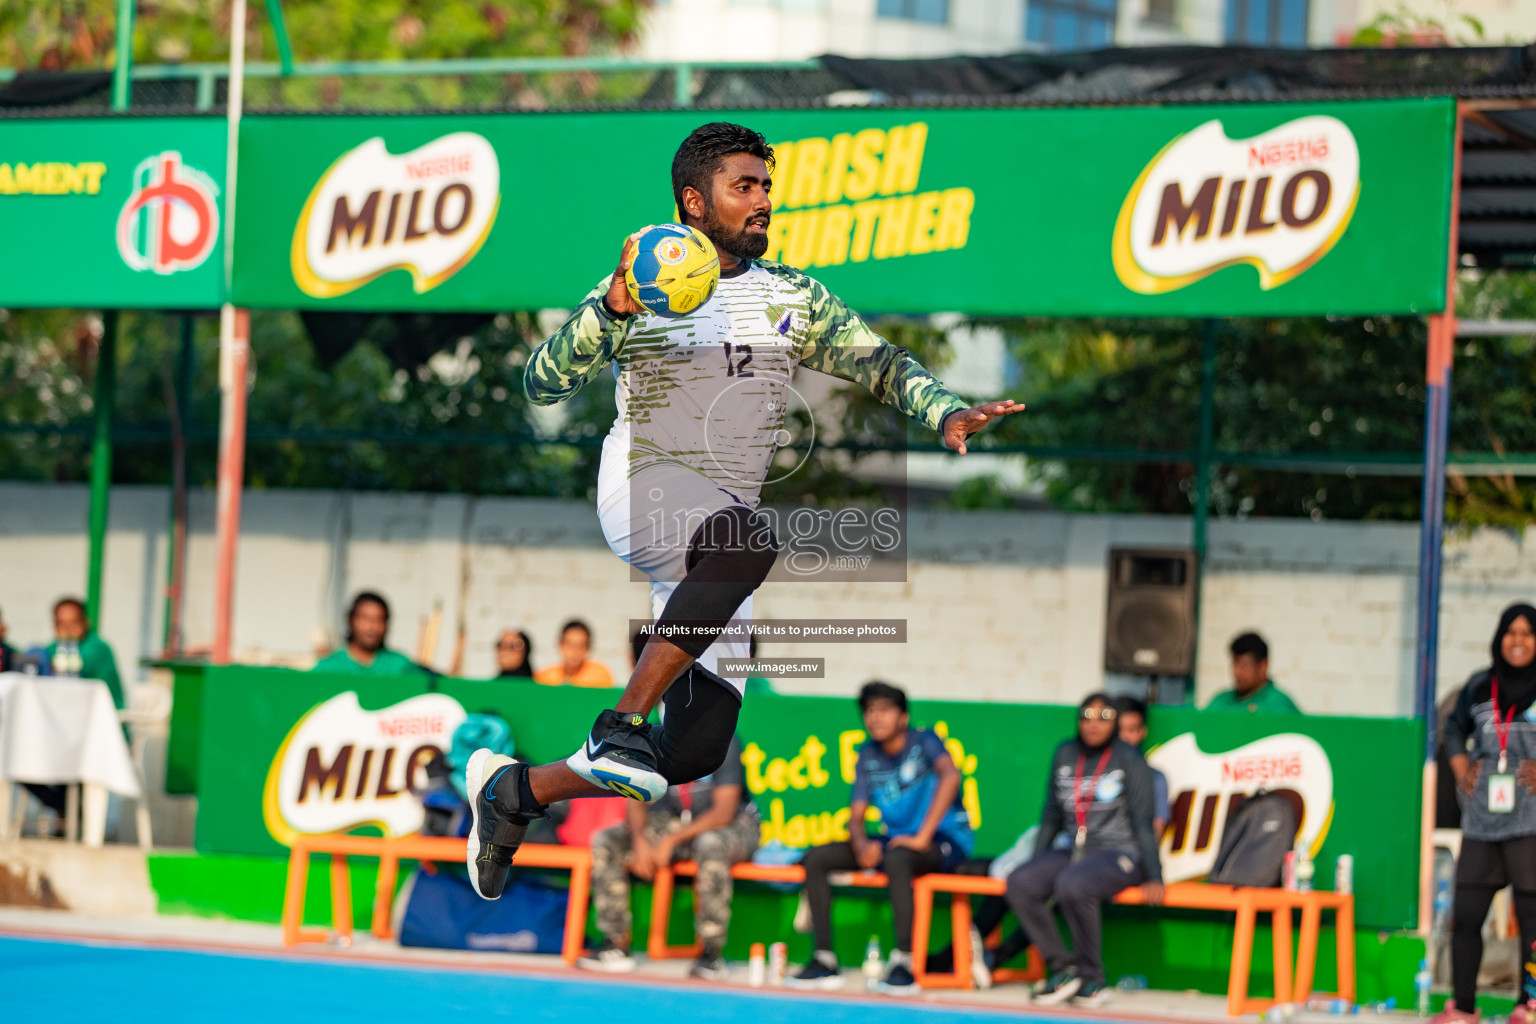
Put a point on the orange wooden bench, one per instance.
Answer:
(577, 860)
(664, 885)
(1246, 903)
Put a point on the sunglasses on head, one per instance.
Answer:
(1102, 714)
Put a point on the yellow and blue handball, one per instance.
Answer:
(674, 271)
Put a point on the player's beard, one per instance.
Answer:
(742, 244)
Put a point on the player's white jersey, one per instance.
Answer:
(709, 391)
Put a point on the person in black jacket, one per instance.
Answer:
(1100, 795)
(1491, 737)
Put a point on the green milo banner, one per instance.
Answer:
(283, 753)
(1232, 210)
(112, 212)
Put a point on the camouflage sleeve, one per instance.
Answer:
(574, 355)
(841, 344)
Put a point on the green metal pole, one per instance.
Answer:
(176, 528)
(1203, 452)
(280, 29)
(122, 70)
(682, 85)
(101, 462)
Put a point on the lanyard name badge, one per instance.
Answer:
(1501, 784)
(1082, 799)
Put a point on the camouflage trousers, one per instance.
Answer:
(715, 851)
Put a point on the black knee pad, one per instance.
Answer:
(734, 543)
(698, 719)
(728, 558)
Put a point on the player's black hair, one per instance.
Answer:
(1099, 697)
(577, 624)
(876, 690)
(61, 602)
(1131, 706)
(366, 597)
(1250, 643)
(699, 157)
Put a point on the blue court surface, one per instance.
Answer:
(57, 980)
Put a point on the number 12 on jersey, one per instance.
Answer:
(738, 368)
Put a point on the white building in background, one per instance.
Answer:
(768, 30)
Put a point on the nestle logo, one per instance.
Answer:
(1260, 770)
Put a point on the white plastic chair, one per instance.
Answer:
(148, 707)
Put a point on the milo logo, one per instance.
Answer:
(1277, 202)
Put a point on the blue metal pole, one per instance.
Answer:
(1437, 422)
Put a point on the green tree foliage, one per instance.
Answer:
(63, 34)
(1320, 387)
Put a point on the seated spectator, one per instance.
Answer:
(514, 655)
(1099, 791)
(906, 775)
(712, 821)
(1252, 689)
(365, 652)
(78, 651)
(1133, 733)
(574, 667)
(7, 652)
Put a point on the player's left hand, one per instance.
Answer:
(916, 844)
(1526, 776)
(962, 423)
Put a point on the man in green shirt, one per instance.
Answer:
(78, 651)
(365, 653)
(1252, 689)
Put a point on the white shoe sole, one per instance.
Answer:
(1099, 998)
(1061, 995)
(625, 966)
(646, 787)
(819, 985)
(899, 991)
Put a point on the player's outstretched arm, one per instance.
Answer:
(588, 340)
(842, 344)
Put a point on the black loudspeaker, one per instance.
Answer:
(1150, 625)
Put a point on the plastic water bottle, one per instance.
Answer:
(1332, 1005)
(757, 965)
(873, 963)
(1442, 906)
(1280, 1012)
(1304, 869)
(66, 659)
(1423, 981)
(1131, 983)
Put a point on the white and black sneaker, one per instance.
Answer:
(820, 972)
(610, 958)
(1060, 987)
(710, 966)
(1092, 992)
(619, 757)
(500, 816)
(898, 980)
(981, 971)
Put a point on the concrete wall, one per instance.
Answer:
(1001, 606)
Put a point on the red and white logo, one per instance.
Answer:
(171, 218)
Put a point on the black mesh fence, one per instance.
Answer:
(1131, 75)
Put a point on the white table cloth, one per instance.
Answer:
(66, 731)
